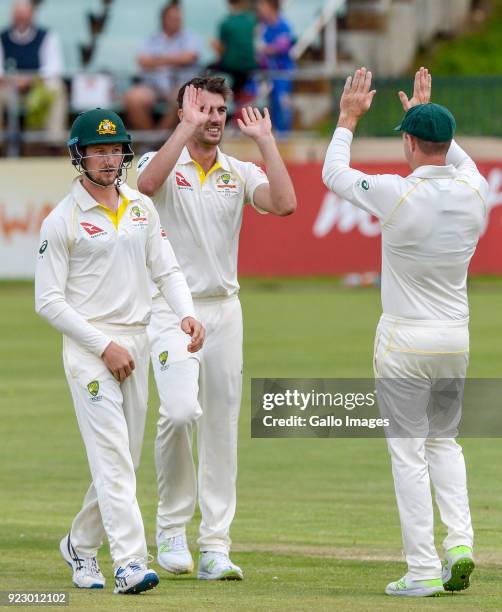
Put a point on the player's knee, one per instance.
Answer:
(179, 411)
(182, 419)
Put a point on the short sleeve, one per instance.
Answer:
(143, 162)
(254, 176)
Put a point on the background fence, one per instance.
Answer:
(476, 103)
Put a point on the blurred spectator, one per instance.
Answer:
(235, 46)
(275, 40)
(33, 56)
(167, 59)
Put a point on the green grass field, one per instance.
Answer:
(316, 525)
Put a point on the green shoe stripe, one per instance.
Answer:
(459, 550)
(433, 582)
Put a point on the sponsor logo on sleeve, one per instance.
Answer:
(43, 247)
(143, 161)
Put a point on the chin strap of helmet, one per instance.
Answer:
(78, 161)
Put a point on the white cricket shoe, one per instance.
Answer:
(135, 578)
(173, 555)
(457, 568)
(86, 572)
(415, 588)
(217, 566)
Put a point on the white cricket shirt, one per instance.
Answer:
(202, 214)
(431, 222)
(94, 267)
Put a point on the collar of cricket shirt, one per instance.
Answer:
(86, 201)
(221, 159)
(432, 172)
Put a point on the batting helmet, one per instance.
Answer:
(98, 126)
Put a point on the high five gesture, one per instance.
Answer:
(421, 90)
(356, 98)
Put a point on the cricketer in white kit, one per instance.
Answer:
(101, 247)
(200, 194)
(431, 221)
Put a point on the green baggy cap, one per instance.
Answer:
(98, 126)
(431, 122)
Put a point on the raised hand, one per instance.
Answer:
(254, 124)
(192, 111)
(421, 90)
(357, 94)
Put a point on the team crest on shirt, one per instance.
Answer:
(107, 127)
(182, 183)
(93, 230)
(227, 184)
(163, 357)
(138, 216)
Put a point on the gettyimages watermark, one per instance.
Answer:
(372, 408)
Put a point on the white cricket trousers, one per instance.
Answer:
(111, 417)
(204, 390)
(418, 352)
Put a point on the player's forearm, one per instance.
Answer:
(282, 191)
(347, 121)
(337, 174)
(175, 290)
(67, 321)
(155, 174)
(459, 158)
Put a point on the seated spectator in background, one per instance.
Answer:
(275, 41)
(33, 59)
(235, 47)
(167, 59)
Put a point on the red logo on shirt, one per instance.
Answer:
(92, 230)
(163, 232)
(181, 180)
